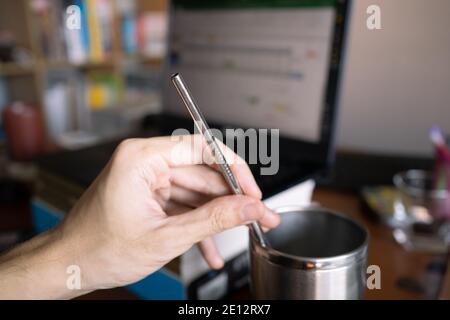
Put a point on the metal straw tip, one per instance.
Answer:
(173, 76)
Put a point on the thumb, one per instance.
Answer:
(219, 215)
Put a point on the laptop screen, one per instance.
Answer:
(253, 63)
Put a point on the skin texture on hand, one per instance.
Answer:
(153, 201)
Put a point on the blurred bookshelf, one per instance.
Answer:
(83, 75)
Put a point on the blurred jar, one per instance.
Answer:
(24, 130)
(419, 201)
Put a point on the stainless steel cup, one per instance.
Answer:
(314, 254)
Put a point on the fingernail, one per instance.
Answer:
(218, 263)
(250, 211)
(274, 217)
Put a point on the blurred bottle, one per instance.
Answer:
(24, 130)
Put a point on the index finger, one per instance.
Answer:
(186, 150)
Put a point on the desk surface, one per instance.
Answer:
(395, 263)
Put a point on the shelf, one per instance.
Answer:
(152, 101)
(14, 69)
(29, 82)
(144, 59)
(84, 65)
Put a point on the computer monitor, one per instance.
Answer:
(262, 64)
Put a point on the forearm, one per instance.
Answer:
(37, 269)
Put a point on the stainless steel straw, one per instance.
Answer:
(202, 126)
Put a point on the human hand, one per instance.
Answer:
(151, 203)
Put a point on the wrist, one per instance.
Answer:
(42, 268)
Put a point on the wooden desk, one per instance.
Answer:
(395, 262)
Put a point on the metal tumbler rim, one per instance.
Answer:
(312, 263)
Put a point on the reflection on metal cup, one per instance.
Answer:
(314, 254)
